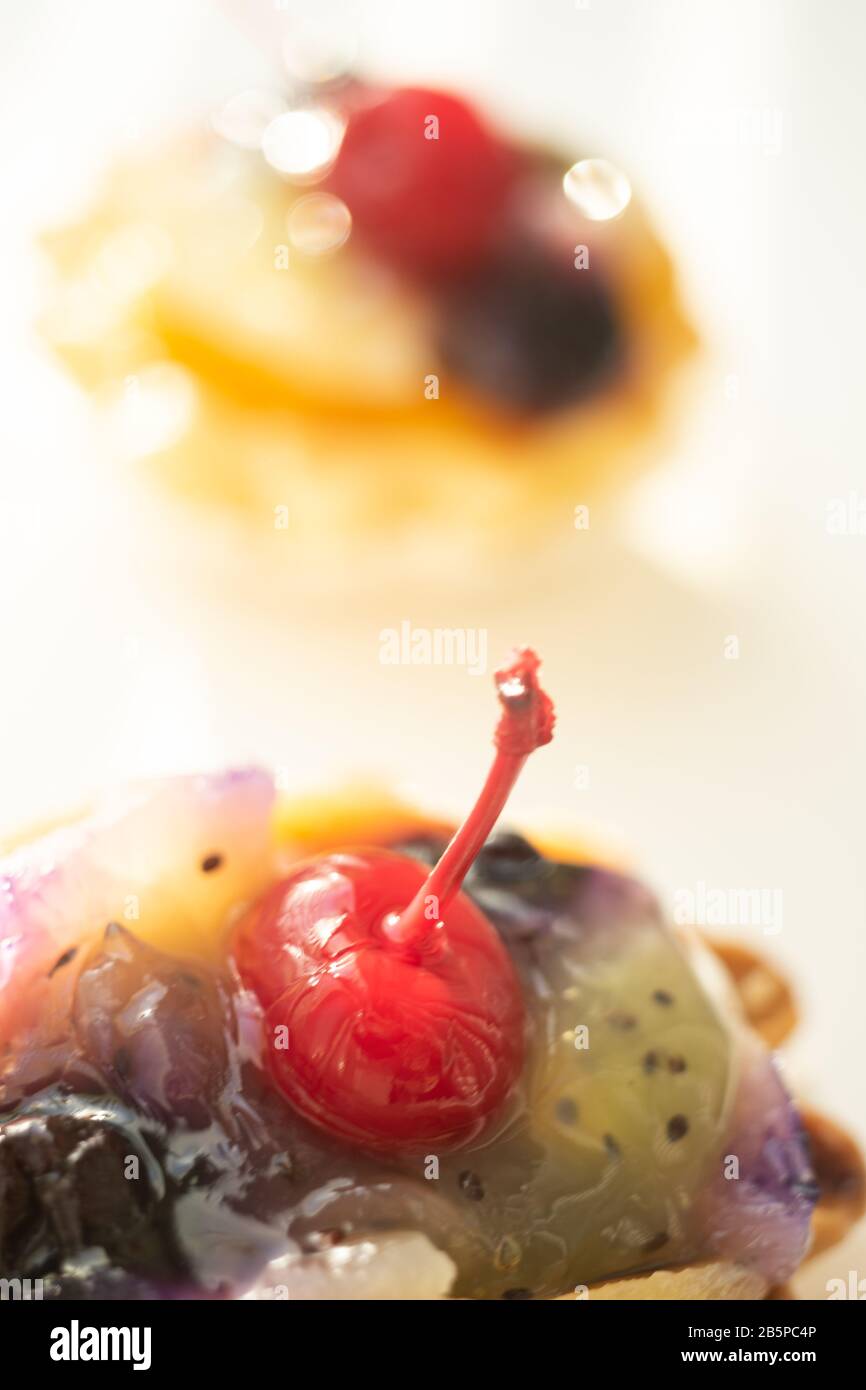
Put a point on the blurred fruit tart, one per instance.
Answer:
(366, 308)
(332, 1051)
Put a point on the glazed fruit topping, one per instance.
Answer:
(147, 1148)
(593, 1175)
(426, 181)
(393, 1010)
(155, 1026)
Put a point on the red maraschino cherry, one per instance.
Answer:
(394, 1014)
(430, 205)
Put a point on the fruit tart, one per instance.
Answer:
(362, 304)
(335, 1051)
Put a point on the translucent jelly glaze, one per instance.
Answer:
(611, 1156)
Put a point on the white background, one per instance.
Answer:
(126, 650)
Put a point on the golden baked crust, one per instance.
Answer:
(704, 1281)
(841, 1177)
(768, 1004)
(767, 999)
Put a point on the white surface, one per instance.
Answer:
(741, 125)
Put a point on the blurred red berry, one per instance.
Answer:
(425, 180)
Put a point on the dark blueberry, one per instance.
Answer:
(211, 862)
(73, 1182)
(661, 996)
(676, 1065)
(519, 890)
(506, 857)
(529, 334)
(678, 1127)
(651, 1063)
(523, 893)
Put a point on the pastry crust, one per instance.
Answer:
(765, 995)
(841, 1177)
(710, 1281)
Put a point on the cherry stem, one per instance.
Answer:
(526, 723)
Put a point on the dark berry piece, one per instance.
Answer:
(67, 1184)
(651, 1063)
(506, 858)
(663, 997)
(211, 863)
(529, 335)
(157, 1030)
(676, 1065)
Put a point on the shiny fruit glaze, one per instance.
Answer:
(394, 1015)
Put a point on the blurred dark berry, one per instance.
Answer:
(529, 335)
